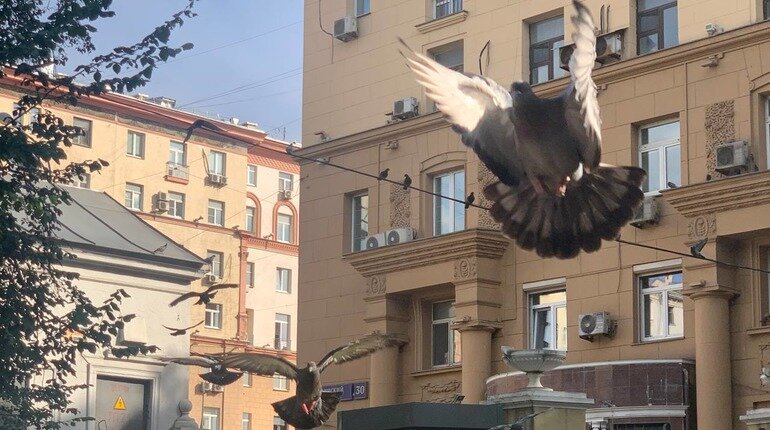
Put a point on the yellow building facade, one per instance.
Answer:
(683, 91)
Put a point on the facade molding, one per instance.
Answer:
(622, 412)
(442, 22)
(258, 213)
(722, 195)
(598, 364)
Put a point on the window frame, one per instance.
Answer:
(454, 6)
(767, 126)
(207, 415)
(217, 163)
(219, 258)
(251, 212)
(251, 175)
(131, 144)
(134, 194)
(662, 147)
(247, 379)
(552, 45)
(664, 291)
(279, 280)
(552, 307)
(282, 343)
(358, 242)
(280, 383)
(362, 8)
(174, 204)
(765, 10)
(658, 12)
(452, 336)
(283, 180)
(82, 183)
(245, 421)
(282, 228)
(174, 155)
(440, 201)
(87, 137)
(279, 424)
(221, 210)
(212, 317)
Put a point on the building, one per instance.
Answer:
(679, 84)
(226, 196)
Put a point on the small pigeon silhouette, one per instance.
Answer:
(203, 297)
(161, 248)
(519, 424)
(469, 200)
(200, 123)
(407, 182)
(218, 373)
(672, 185)
(181, 331)
(697, 247)
(383, 174)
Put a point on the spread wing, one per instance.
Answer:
(183, 297)
(359, 348)
(478, 109)
(221, 287)
(582, 106)
(183, 329)
(260, 364)
(190, 361)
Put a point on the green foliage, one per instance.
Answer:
(45, 320)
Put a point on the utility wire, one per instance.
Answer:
(251, 85)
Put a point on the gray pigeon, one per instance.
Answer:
(218, 373)
(553, 194)
(519, 424)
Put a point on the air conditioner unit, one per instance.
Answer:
(405, 108)
(399, 235)
(375, 241)
(732, 157)
(211, 278)
(609, 47)
(346, 29)
(284, 194)
(208, 387)
(161, 202)
(217, 179)
(646, 214)
(597, 323)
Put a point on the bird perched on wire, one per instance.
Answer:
(383, 174)
(519, 424)
(181, 331)
(217, 374)
(469, 200)
(200, 123)
(553, 194)
(203, 297)
(407, 182)
(309, 407)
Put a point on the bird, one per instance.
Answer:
(407, 181)
(519, 424)
(161, 248)
(670, 184)
(697, 247)
(218, 374)
(309, 407)
(181, 331)
(203, 297)
(764, 376)
(383, 174)
(553, 194)
(200, 123)
(469, 200)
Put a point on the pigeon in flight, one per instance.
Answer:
(181, 331)
(309, 407)
(519, 424)
(218, 373)
(200, 123)
(203, 297)
(553, 194)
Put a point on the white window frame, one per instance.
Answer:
(210, 419)
(250, 268)
(283, 230)
(177, 156)
(440, 201)
(216, 262)
(251, 175)
(279, 424)
(452, 336)
(281, 342)
(214, 211)
(82, 183)
(280, 383)
(83, 140)
(362, 7)
(135, 144)
(246, 421)
(175, 204)
(767, 132)
(358, 243)
(251, 219)
(552, 309)
(247, 379)
(217, 163)
(454, 6)
(664, 318)
(136, 201)
(283, 280)
(661, 147)
(213, 316)
(285, 181)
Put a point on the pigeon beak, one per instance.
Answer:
(305, 409)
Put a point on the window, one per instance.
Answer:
(442, 8)
(285, 181)
(251, 214)
(82, 181)
(246, 421)
(445, 342)
(283, 280)
(362, 7)
(360, 221)
(279, 424)
(216, 259)
(656, 25)
(251, 175)
(659, 156)
(284, 228)
(247, 379)
(545, 39)
(175, 204)
(250, 275)
(662, 305)
(85, 125)
(135, 144)
(449, 55)
(210, 419)
(216, 163)
(282, 331)
(765, 9)
(177, 153)
(767, 127)
(134, 196)
(213, 317)
(448, 216)
(34, 115)
(280, 383)
(216, 212)
(548, 320)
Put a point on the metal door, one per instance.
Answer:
(122, 404)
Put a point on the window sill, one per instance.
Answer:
(138, 157)
(658, 340)
(438, 370)
(759, 330)
(442, 22)
(282, 292)
(212, 328)
(176, 180)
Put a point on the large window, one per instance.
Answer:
(280, 383)
(135, 144)
(175, 204)
(213, 318)
(251, 175)
(177, 153)
(250, 275)
(449, 55)
(284, 226)
(246, 421)
(216, 259)
(283, 280)
(85, 125)
(362, 7)
(279, 424)
(247, 379)
(134, 195)
(210, 419)
(545, 39)
(285, 181)
(216, 163)
(216, 212)
(765, 9)
(251, 215)
(359, 222)
(82, 181)
(659, 156)
(445, 342)
(442, 8)
(548, 320)
(662, 305)
(282, 340)
(645, 426)
(656, 25)
(448, 215)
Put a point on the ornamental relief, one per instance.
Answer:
(702, 227)
(375, 285)
(465, 268)
(485, 178)
(441, 392)
(400, 206)
(720, 128)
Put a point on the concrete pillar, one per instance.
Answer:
(383, 377)
(386, 313)
(185, 421)
(243, 318)
(476, 356)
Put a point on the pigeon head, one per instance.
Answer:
(311, 366)
(521, 87)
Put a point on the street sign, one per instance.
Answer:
(349, 391)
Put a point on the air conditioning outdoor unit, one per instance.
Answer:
(284, 194)
(346, 29)
(217, 179)
(405, 108)
(646, 214)
(211, 278)
(732, 157)
(161, 202)
(375, 241)
(609, 47)
(399, 235)
(594, 324)
(208, 387)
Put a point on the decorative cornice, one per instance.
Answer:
(442, 22)
(198, 340)
(749, 190)
(698, 290)
(270, 245)
(480, 243)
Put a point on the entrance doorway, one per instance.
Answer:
(122, 404)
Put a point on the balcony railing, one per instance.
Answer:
(282, 343)
(175, 170)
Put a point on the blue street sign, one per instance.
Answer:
(349, 391)
(360, 390)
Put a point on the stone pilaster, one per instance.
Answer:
(243, 317)
(387, 314)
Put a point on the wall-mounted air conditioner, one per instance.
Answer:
(646, 214)
(609, 48)
(217, 179)
(594, 324)
(375, 241)
(399, 235)
(208, 387)
(161, 202)
(732, 157)
(212, 279)
(346, 29)
(405, 108)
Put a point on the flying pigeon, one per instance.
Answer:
(181, 331)
(697, 248)
(203, 297)
(553, 194)
(407, 182)
(383, 174)
(200, 123)
(309, 407)
(469, 200)
(519, 424)
(218, 373)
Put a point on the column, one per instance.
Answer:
(387, 313)
(383, 377)
(243, 317)
(476, 356)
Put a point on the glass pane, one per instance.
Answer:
(459, 193)
(558, 72)
(545, 298)
(360, 221)
(443, 310)
(539, 74)
(661, 280)
(651, 164)
(457, 344)
(670, 27)
(561, 327)
(648, 44)
(675, 313)
(652, 317)
(362, 7)
(660, 133)
(673, 165)
(546, 29)
(541, 335)
(440, 344)
(643, 5)
(648, 22)
(540, 53)
(450, 56)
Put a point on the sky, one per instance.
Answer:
(261, 67)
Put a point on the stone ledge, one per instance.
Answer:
(721, 195)
(442, 22)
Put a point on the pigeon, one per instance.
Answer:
(218, 374)
(383, 174)
(200, 123)
(554, 195)
(161, 249)
(180, 331)
(469, 200)
(204, 297)
(519, 424)
(407, 182)
(309, 407)
(697, 247)
(764, 376)
(671, 185)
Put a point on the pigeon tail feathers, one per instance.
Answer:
(290, 411)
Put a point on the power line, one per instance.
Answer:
(251, 85)
(249, 99)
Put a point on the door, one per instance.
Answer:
(122, 404)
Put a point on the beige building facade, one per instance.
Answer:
(681, 86)
(228, 197)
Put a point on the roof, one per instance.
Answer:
(95, 221)
(273, 163)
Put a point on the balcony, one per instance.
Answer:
(180, 172)
(282, 344)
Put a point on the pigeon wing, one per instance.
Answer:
(189, 361)
(581, 103)
(359, 348)
(183, 297)
(260, 364)
(221, 287)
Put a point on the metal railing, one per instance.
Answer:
(177, 170)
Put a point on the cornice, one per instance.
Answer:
(198, 340)
(270, 245)
(442, 22)
(721, 195)
(481, 243)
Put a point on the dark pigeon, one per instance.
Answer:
(383, 174)
(469, 200)
(181, 331)
(218, 374)
(200, 123)
(407, 182)
(203, 297)
(553, 194)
